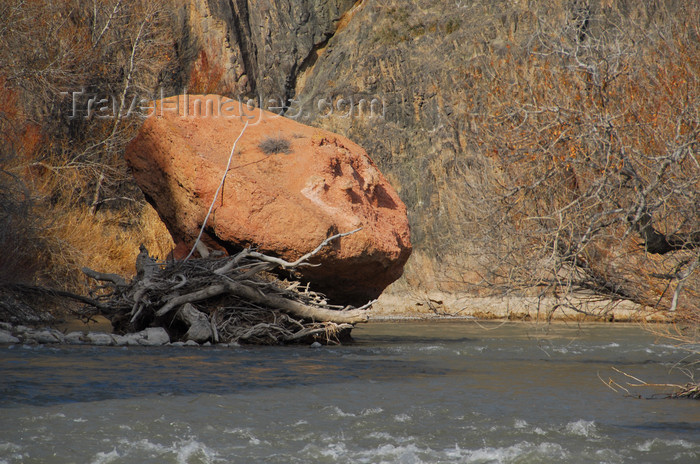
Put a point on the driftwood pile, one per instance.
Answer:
(239, 298)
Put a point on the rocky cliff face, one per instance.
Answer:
(257, 48)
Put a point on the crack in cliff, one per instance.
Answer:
(242, 36)
(296, 79)
(292, 84)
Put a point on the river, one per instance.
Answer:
(438, 392)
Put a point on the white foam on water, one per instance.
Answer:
(184, 451)
(407, 451)
(687, 456)
(303, 437)
(606, 455)
(520, 452)
(646, 446)
(668, 347)
(105, 458)
(142, 445)
(396, 350)
(11, 451)
(7, 446)
(383, 436)
(493, 454)
(334, 450)
(336, 411)
(431, 348)
(338, 451)
(237, 430)
(247, 434)
(521, 424)
(547, 452)
(380, 435)
(582, 428)
(402, 417)
(408, 454)
(194, 449)
(48, 416)
(389, 438)
(656, 443)
(371, 411)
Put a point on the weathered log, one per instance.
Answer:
(298, 309)
(311, 332)
(232, 263)
(105, 277)
(203, 294)
(200, 329)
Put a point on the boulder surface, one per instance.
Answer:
(285, 200)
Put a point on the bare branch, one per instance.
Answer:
(303, 260)
(216, 194)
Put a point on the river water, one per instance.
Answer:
(403, 393)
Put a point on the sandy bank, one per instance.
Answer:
(443, 305)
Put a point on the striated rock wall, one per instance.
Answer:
(254, 48)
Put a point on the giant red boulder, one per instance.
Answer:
(284, 203)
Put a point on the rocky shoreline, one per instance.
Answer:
(11, 334)
(390, 307)
(23, 335)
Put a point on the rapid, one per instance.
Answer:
(420, 392)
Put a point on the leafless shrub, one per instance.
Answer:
(112, 50)
(274, 145)
(18, 241)
(595, 190)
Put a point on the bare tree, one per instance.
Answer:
(593, 150)
(79, 71)
(145, 45)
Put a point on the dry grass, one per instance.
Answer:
(47, 238)
(108, 241)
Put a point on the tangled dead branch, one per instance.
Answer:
(690, 390)
(233, 299)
